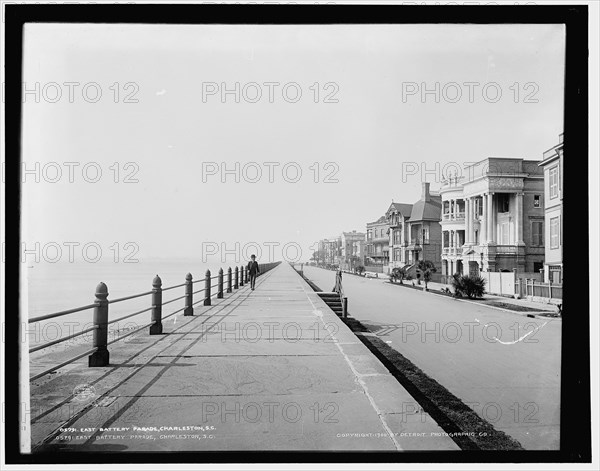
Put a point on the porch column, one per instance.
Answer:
(519, 219)
(470, 221)
(491, 237)
(483, 225)
(467, 220)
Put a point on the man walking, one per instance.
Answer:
(253, 270)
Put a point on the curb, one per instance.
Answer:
(530, 314)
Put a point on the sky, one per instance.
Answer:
(340, 123)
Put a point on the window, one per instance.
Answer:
(396, 237)
(426, 235)
(537, 201)
(553, 181)
(537, 233)
(478, 207)
(369, 235)
(503, 203)
(554, 233)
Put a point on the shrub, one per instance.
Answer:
(398, 274)
(466, 285)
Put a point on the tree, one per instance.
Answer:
(398, 273)
(426, 268)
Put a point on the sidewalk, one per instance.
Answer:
(271, 369)
(545, 307)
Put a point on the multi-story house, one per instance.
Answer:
(352, 249)
(493, 218)
(330, 251)
(552, 166)
(415, 230)
(377, 243)
(424, 228)
(397, 217)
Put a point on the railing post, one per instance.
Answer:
(220, 292)
(345, 307)
(100, 357)
(236, 285)
(242, 275)
(156, 327)
(229, 290)
(189, 296)
(207, 281)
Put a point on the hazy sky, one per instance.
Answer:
(171, 131)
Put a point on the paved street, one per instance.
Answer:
(505, 366)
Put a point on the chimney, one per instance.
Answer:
(425, 196)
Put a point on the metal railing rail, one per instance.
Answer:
(98, 355)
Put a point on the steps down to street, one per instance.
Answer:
(332, 300)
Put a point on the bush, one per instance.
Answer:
(470, 286)
(360, 269)
(398, 274)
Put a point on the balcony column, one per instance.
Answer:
(483, 225)
(491, 238)
(466, 200)
(519, 219)
(468, 220)
(472, 220)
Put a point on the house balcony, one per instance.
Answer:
(452, 250)
(491, 251)
(459, 217)
(415, 244)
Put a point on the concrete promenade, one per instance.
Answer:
(270, 369)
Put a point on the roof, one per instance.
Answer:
(381, 220)
(427, 210)
(402, 208)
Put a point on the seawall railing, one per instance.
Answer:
(98, 355)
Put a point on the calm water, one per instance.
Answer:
(61, 286)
